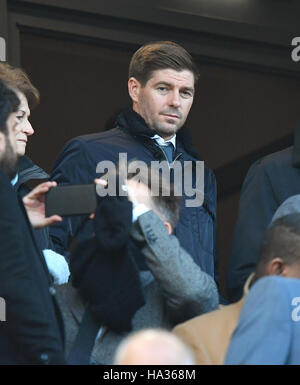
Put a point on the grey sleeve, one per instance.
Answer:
(188, 290)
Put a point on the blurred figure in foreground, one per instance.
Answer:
(153, 347)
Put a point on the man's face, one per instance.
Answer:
(165, 101)
(8, 148)
(23, 128)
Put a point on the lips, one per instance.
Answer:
(172, 116)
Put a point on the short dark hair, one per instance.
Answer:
(160, 55)
(165, 203)
(168, 207)
(9, 102)
(17, 79)
(282, 240)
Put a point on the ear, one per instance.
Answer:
(276, 267)
(168, 227)
(134, 87)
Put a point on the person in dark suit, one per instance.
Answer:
(269, 182)
(161, 85)
(32, 332)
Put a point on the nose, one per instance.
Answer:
(28, 129)
(174, 100)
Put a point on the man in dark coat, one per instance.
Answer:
(162, 78)
(269, 182)
(32, 332)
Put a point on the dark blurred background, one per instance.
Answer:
(248, 98)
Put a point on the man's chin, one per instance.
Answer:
(166, 132)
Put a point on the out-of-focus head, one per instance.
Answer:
(155, 191)
(162, 78)
(153, 347)
(29, 97)
(9, 104)
(280, 249)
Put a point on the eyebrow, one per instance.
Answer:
(192, 89)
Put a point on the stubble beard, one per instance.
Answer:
(164, 131)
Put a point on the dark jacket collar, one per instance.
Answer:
(27, 170)
(132, 123)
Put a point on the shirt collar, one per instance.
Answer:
(248, 284)
(161, 142)
(15, 180)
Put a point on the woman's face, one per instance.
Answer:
(23, 128)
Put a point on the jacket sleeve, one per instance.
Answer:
(188, 291)
(27, 322)
(73, 166)
(256, 208)
(264, 331)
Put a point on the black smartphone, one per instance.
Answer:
(71, 200)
